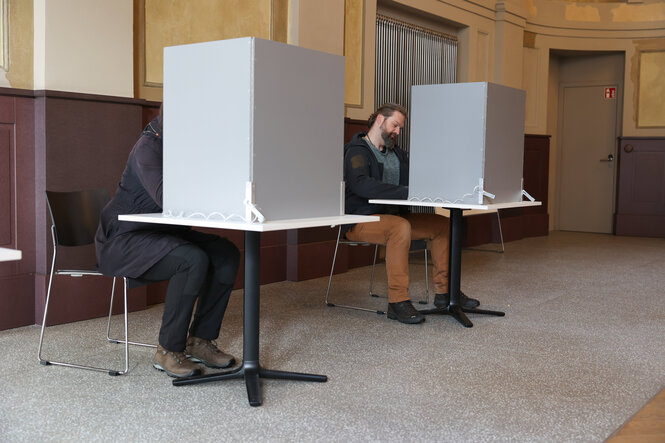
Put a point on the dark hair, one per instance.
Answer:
(386, 110)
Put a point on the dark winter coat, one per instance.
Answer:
(363, 175)
(129, 249)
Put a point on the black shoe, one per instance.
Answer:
(404, 312)
(443, 300)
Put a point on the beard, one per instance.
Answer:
(388, 139)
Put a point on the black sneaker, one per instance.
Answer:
(443, 300)
(404, 312)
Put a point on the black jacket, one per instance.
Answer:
(363, 177)
(129, 248)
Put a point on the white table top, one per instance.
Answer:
(456, 205)
(7, 254)
(275, 225)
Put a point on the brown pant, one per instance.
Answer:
(396, 232)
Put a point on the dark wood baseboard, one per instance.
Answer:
(640, 225)
(17, 301)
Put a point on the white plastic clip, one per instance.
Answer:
(489, 195)
(482, 193)
(250, 207)
(526, 194)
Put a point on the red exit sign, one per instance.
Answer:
(610, 92)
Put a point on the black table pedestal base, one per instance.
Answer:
(251, 369)
(455, 309)
(458, 313)
(252, 372)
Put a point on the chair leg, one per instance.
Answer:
(332, 270)
(371, 279)
(426, 301)
(108, 324)
(48, 299)
(498, 218)
(46, 362)
(124, 281)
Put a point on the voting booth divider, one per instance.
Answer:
(253, 131)
(467, 143)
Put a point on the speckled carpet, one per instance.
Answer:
(579, 351)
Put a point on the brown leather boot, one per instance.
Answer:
(175, 364)
(207, 352)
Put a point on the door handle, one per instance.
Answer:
(610, 158)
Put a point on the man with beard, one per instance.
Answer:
(375, 168)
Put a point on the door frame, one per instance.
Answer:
(559, 157)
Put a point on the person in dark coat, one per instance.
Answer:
(375, 168)
(198, 266)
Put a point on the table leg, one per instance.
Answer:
(251, 369)
(455, 309)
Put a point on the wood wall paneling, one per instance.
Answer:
(518, 223)
(64, 141)
(641, 187)
(6, 185)
(17, 285)
(310, 252)
(82, 298)
(7, 109)
(17, 302)
(536, 175)
(351, 127)
(87, 142)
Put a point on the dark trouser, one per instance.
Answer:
(204, 268)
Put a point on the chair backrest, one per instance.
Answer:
(75, 215)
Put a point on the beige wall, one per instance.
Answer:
(84, 46)
(20, 42)
(491, 45)
(161, 23)
(566, 26)
(320, 25)
(490, 38)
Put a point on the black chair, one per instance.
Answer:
(74, 220)
(416, 245)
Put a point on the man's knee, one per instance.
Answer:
(400, 230)
(225, 257)
(195, 260)
(444, 225)
(193, 263)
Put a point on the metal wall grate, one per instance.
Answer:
(408, 55)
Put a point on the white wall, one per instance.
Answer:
(84, 46)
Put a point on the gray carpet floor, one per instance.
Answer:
(579, 351)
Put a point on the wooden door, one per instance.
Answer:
(588, 134)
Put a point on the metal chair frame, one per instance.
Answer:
(371, 281)
(77, 273)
